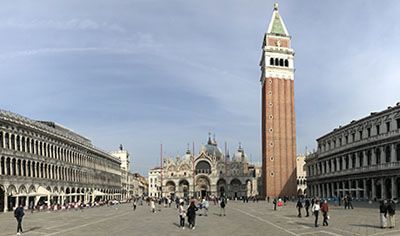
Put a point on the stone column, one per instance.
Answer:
(5, 201)
(373, 190)
(393, 152)
(350, 162)
(383, 155)
(394, 187)
(357, 191)
(365, 189)
(350, 188)
(338, 167)
(373, 157)
(343, 162)
(27, 202)
(332, 189)
(383, 189)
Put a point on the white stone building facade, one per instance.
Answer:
(42, 161)
(361, 159)
(155, 182)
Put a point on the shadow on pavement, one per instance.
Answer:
(365, 225)
(176, 224)
(32, 229)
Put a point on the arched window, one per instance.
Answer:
(2, 166)
(378, 155)
(281, 62)
(1, 140)
(271, 61)
(23, 144)
(13, 141)
(14, 167)
(18, 143)
(276, 61)
(286, 63)
(7, 140)
(387, 152)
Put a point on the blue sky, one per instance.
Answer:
(145, 72)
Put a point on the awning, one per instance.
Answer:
(98, 193)
(41, 191)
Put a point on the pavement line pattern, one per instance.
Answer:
(266, 221)
(386, 232)
(330, 233)
(91, 223)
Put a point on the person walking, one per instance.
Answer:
(275, 203)
(307, 206)
(182, 214)
(18, 214)
(391, 212)
(191, 214)
(299, 205)
(346, 202)
(205, 205)
(152, 206)
(315, 210)
(383, 214)
(324, 210)
(222, 204)
(134, 204)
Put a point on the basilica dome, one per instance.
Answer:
(212, 149)
(240, 155)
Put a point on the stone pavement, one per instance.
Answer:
(250, 219)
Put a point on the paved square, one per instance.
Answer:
(242, 219)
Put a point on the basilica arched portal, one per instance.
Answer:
(203, 186)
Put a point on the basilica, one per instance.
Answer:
(209, 173)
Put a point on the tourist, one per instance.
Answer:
(307, 206)
(349, 202)
(18, 214)
(182, 214)
(346, 202)
(383, 213)
(299, 205)
(152, 206)
(391, 210)
(268, 199)
(315, 210)
(191, 214)
(324, 210)
(274, 202)
(134, 204)
(205, 205)
(222, 205)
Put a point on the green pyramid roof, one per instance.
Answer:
(277, 26)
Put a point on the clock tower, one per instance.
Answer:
(278, 114)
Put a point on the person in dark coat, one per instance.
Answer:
(324, 210)
(275, 202)
(191, 214)
(19, 213)
(307, 206)
(299, 205)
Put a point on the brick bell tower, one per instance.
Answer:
(278, 115)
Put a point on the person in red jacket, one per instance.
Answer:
(324, 210)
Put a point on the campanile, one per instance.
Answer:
(278, 115)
